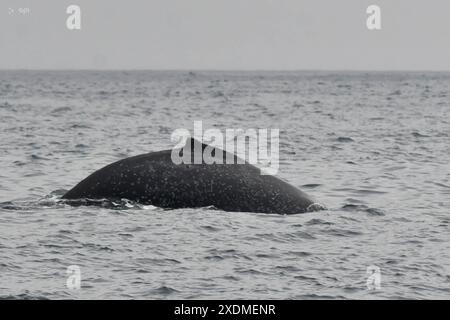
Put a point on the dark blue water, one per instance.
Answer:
(373, 147)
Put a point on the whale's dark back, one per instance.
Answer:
(154, 179)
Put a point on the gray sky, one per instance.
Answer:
(226, 34)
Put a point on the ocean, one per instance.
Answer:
(373, 147)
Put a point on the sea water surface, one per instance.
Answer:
(374, 148)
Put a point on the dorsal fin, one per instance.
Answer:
(194, 147)
(194, 142)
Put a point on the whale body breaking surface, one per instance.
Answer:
(154, 179)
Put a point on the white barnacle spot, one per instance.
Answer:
(315, 207)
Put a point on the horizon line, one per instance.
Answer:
(223, 70)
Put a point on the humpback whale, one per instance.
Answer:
(154, 179)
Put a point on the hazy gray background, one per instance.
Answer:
(227, 34)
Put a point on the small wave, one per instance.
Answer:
(54, 199)
(8, 205)
(396, 93)
(290, 269)
(344, 139)
(98, 247)
(105, 203)
(362, 208)
(5, 105)
(81, 146)
(300, 253)
(419, 135)
(317, 222)
(164, 290)
(36, 157)
(250, 271)
(158, 261)
(115, 204)
(311, 185)
(28, 205)
(23, 296)
(230, 277)
(342, 232)
(210, 228)
(369, 191)
(214, 258)
(218, 94)
(79, 126)
(61, 110)
(302, 235)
